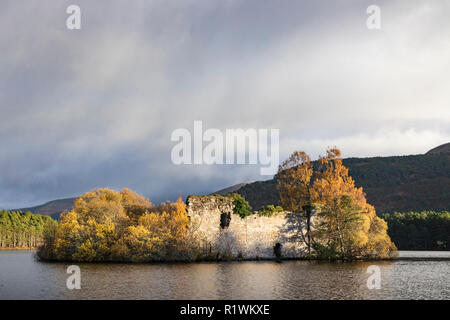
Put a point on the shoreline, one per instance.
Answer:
(18, 248)
(423, 258)
(254, 260)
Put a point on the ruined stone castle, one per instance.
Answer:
(225, 235)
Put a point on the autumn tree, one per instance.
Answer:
(294, 185)
(171, 224)
(294, 181)
(333, 181)
(342, 225)
(106, 225)
(134, 204)
(345, 220)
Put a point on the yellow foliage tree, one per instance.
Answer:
(170, 225)
(106, 225)
(294, 185)
(102, 205)
(347, 225)
(294, 181)
(134, 204)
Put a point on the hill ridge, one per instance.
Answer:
(395, 183)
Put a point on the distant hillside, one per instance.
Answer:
(56, 207)
(442, 149)
(224, 192)
(402, 183)
(52, 208)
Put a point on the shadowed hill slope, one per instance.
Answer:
(442, 149)
(234, 188)
(52, 208)
(402, 183)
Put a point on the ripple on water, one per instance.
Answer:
(22, 277)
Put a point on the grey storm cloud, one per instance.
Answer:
(95, 107)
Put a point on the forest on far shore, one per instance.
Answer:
(426, 230)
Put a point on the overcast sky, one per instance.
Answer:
(95, 107)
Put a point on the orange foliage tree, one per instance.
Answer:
(346, 226)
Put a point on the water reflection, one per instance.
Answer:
(21, 277)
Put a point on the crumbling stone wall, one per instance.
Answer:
(225, 235)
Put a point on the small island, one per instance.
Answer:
(323, 216)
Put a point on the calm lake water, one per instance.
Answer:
(22, 277)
